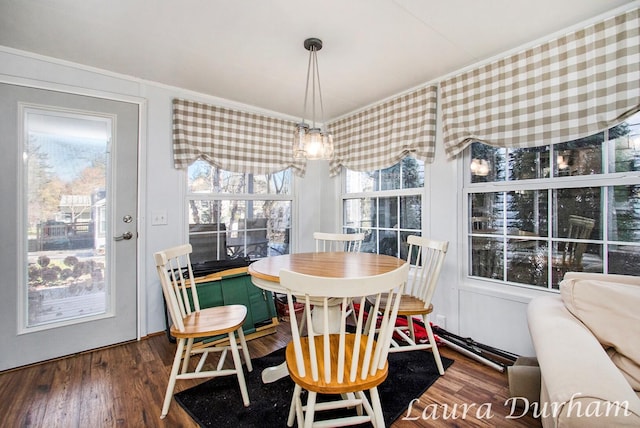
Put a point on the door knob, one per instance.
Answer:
(125, 236)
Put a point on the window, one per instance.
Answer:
(237, 215)
(386, 205)
(534, 214)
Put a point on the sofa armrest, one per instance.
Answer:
(578, 375)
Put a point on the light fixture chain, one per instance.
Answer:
(306, 90)
(317, 68)
(313, 87)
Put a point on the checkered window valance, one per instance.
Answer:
(232, 140)
(568, 88)
(382, 135)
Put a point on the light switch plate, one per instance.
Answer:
(158, 217)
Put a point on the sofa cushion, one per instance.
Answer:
(609, 310)
(575, 367)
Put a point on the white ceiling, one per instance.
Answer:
(250, 51)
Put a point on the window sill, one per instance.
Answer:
(501, 290)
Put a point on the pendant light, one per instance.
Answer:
(312, 142)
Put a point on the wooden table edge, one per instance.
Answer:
(262, 276)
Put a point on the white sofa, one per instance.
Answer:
(587, 342)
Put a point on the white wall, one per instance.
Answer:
(495, 317)
(318, 205)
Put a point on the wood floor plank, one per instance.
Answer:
(124, 386)
(64, 392)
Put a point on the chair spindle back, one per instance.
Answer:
(176, 277)
(347, 242)
(426, 257)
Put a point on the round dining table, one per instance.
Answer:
(265, 274)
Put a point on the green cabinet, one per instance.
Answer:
(233, 287)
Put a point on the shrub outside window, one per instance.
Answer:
(535, 214)
(386, 205)
(235, 215)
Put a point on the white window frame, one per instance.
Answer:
(605, 180)
(245, 197)
(379, 194)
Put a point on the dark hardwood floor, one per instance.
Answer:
(123, 386)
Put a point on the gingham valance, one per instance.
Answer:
(566, 89)
(232, 140)
(382, 135)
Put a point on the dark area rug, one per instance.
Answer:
(217, 402)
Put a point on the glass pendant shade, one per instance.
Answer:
(298, 140)
(312, 142)
(327, 145)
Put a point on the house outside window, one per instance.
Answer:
(235, 215)
(386, 205)
(534, 214)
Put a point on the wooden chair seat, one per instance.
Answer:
(334, 386)
(211, 321)
(409, 305)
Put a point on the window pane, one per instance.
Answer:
(243, 228)
(388, 212)
(208, 242)
(388, 242)
(390, 178)
(359, 213)
(531, 163)
(575, 256)
(264, 231)
(207, 231)
(358, 182)
(626, 145)
(233, 214)
(486, 212)
(578, 213)
(204, 212)
(527, 212)
(202, 178)
(487, 163)
(624, 213)
(258, 184)
(410, 212)
(404, 246)
(527, 262)
(67, 160)
(579, 157)
(279, 226)
(280, 182)
(370, 243)
(487, 257)
(412, 173)
(205, 178)
(624, 259)
(231, 182)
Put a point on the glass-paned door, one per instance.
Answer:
(69, 251)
